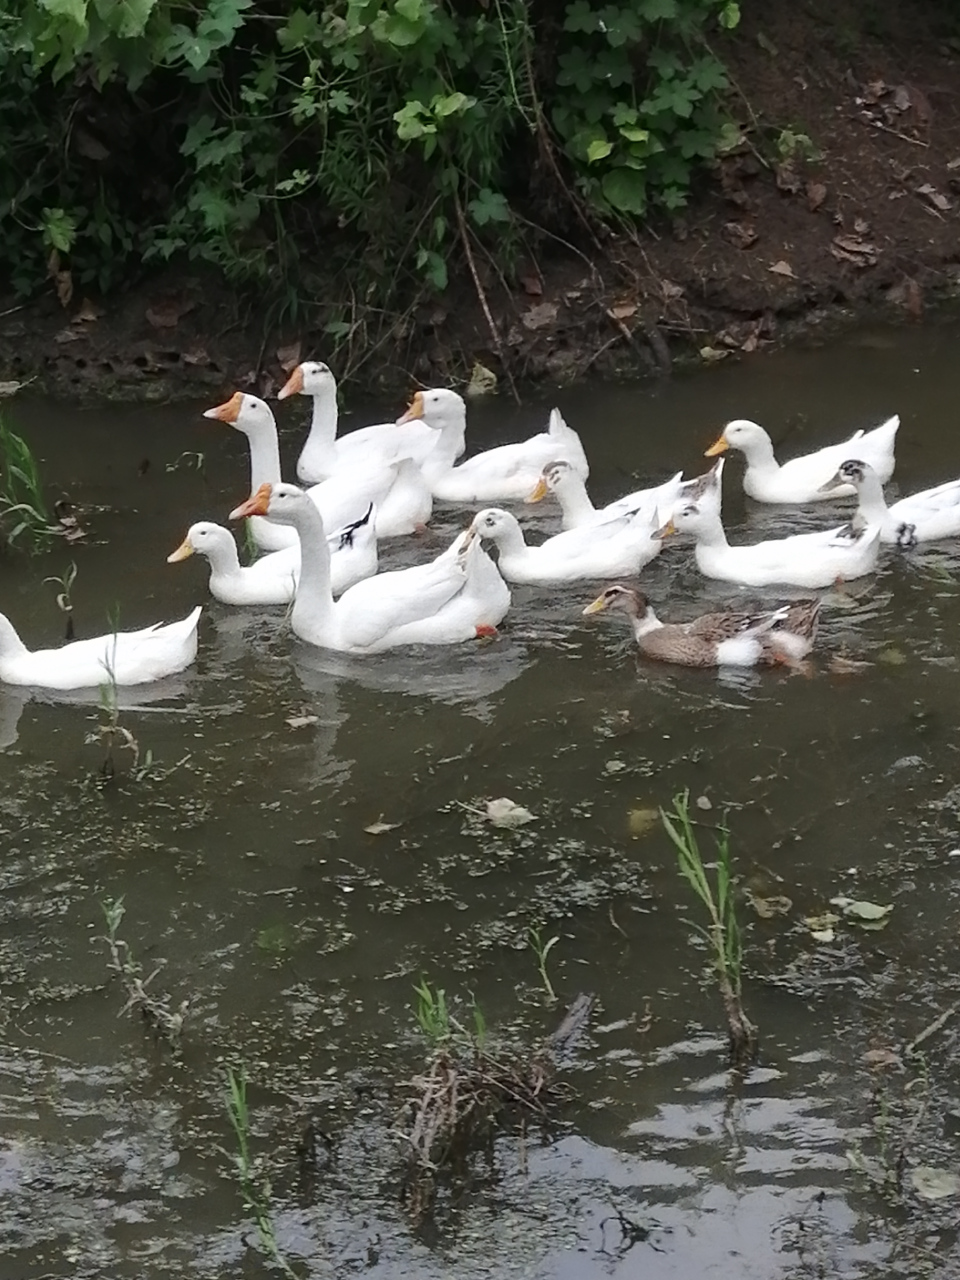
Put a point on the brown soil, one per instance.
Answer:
(845, 192)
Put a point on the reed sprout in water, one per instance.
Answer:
(24, 513)
(542, 950)
(723, 930)
(154, 1009)
(256, 1191)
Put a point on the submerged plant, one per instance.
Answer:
(64, 596)
(256, 1190)
(111, 733)
(154, 1009)
(23, 508)
(541, 950)
(723, 930)
(432, 1013)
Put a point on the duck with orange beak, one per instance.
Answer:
(804, 479)
(507, 472)
(325, 454)
(398, 491)
(453, 598)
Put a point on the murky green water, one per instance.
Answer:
(297, 936)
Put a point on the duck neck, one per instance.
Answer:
(510, 540)
(871, 504)
(574, 500)
(11, 646)
(313, 617)
(448, 446)
(644, 624)
(711, 532)
(223, 559)
(264, 456)
(315, 455)
(760, 456)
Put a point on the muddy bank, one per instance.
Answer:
(842, 197)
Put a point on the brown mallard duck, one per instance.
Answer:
(731, 638)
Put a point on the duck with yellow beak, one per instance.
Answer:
(804, 479)
(728, 638)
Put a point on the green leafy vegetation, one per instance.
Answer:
(391, 138)
(722, 932)
(25, 517)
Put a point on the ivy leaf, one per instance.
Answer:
(626, 190)
(412, 10)
(453, 102)
(655, 10)
(599, 149)
(302, 29)
(578, 69)
(411, 123)
(708, 74)
(489, 206)
(580, 17)
(74, 10)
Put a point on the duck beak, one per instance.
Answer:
(229, 411)
(832, 484)
(414, 412)
(539, 493)
(258, 504)
(597, 606)
(293, 385)
(719, 446)
(665, 531)
(471, 534)
(183, 552)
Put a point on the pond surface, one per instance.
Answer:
(245, 868)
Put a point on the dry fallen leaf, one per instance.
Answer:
(88, 312)
(9, 388)
(741, 234)
(766, 908)
(301, 722)
(935, 197)
(198, 356)
(483, 381)
(288, 357)
(816, 194)
(852, 249)
(881, 1058)
(532, 285)
(622, 310)
(710, 355)
(670, 290)
(783, 268)
(540, 316)
(63, 281)
(165, 313)
(640, 821)
(901, 98)
(379, 827)
(504, 813)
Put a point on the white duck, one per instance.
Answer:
(802, 560)
(324, 453)
(804, 479)
(618, 546)
(921, 517)
(570, 490)
(449, 600)
(508, 471)
(125, 657)
(397, 489)
(272, 579)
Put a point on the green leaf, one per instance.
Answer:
(411, 122)
(581, 17)
(633, 134)
(626, 190)
(412, 10)
(489, 206)
(302, 28)
(655, 10)
(730, 15)
(74, 10)
(452, 103)
(599, 149)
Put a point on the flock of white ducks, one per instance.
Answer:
(319, 541)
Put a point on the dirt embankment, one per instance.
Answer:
(844, 193)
